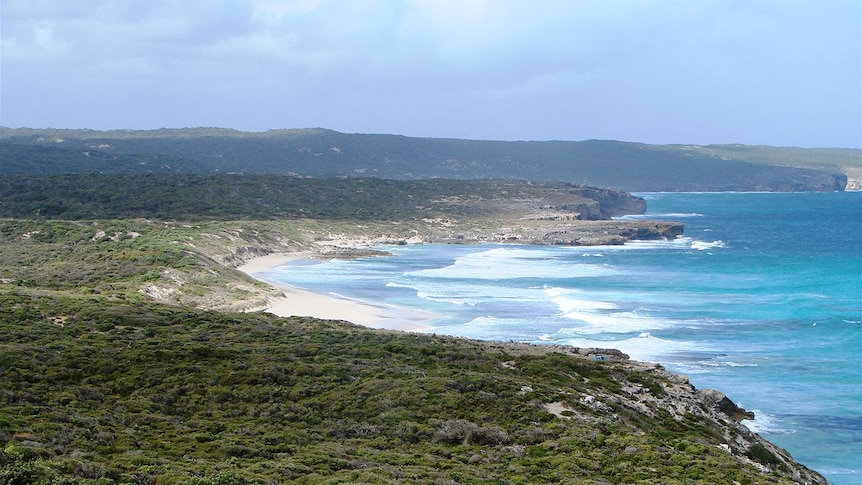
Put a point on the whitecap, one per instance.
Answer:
(485, 321)
(682, 242)
(395, 284)
(616, 322)
(765, 424)
(718, 363)
(644, 347)
(827, 471)
(453, 301)
(490, 327)
(505, 264)
(465, 293)
(568, 301)
(660, 215)
(704, 245)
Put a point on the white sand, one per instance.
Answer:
(265, 263)
(299, 302)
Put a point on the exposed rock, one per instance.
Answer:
(720, 402)
(854, 178)
(647, 389)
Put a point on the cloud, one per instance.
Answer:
(646, 70)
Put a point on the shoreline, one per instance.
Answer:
(296, 301)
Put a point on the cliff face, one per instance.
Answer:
(615, 202)
(854, 178)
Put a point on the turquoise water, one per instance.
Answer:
(762, 298)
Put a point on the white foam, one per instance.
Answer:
(393, 284)
(567, 301)
(616, 322)
(460, 294)
(599, 316)
(660, 215)
(827, 471)
(511, 263)
(737, 364)
(718, 363)
(644, 347)
(489, 327)
(682, 242)
(679, 243)
(453, 301)
(704, 245)
(765, 424)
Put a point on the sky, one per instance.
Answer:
(758, 72)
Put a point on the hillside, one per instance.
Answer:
(101, 391)
(195, 197)
(172, 236)
(123, 360)
(327, 153)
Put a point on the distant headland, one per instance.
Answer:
(320, 152)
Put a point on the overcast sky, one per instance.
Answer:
(778, 72)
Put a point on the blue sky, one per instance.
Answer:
(771, 72)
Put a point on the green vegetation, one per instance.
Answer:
(326, 153)
(98, 391)
(133, 260)
(231, 197)
(100, 384)
(50, 159)
(91, 257)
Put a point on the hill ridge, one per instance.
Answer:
(320, 152)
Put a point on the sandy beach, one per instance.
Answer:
(299, 302)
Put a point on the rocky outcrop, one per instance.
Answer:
(719, 402)
(614, 202)
(854, 178)
(610, 233)
(635, 392)
(650, 390)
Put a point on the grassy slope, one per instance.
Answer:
(262, 197)
(97, 391)
(102, 386)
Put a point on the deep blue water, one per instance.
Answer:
(762, 299)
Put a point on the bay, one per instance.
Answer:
(761, 298)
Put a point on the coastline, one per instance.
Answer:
(301, 302)
(296, 301)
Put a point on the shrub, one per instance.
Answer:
(466, 432)
(455, 431)
(760, 453)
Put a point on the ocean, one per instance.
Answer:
(761, 299)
